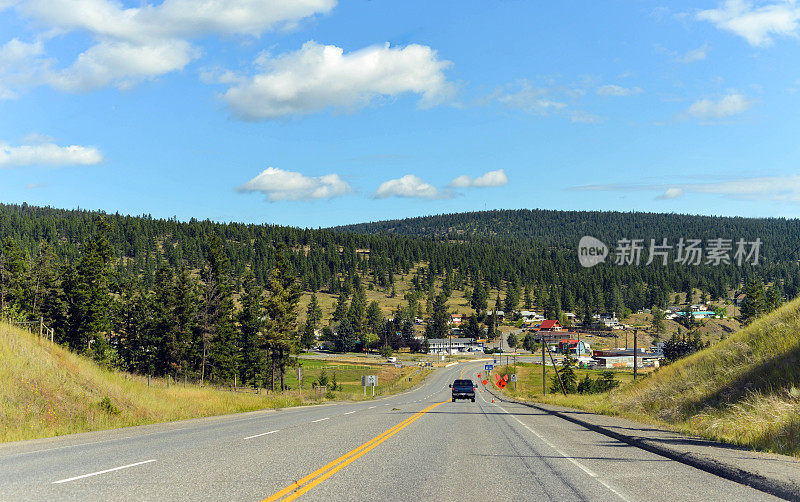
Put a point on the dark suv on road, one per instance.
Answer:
(463, 389)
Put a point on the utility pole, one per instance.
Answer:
(544, 370)
(635, 358)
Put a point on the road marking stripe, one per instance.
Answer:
(371, 407)
(349, 412)
(262, 434)
(560, 452)
(310, 481)
(320, 420)
(102, 472)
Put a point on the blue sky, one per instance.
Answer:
(318, 112)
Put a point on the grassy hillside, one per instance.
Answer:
(743, 390)
(46, 390)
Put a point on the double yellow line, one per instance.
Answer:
(305, 484)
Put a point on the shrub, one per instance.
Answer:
(107, 406)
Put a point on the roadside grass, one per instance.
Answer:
(46, 390)
(744, 390)
(390, 379)
(529, 380)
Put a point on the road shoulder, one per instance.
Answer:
(774, 474)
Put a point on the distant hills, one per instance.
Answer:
(563, 229)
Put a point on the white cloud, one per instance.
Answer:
(123, 64)
(530, 99)
(549, 99)
(782, 188)
(37, 138)
(278, 184)
(729, 105)
(671, 193)
(20, 64)
(489, 179)
(618, 91)
(318, 77)
(757, 25)
(694, 55)
(137, 43)
(173, 18)
(580, 117)
(409, 186)
(48, 154)
(33, 186)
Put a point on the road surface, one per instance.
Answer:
(413, 446)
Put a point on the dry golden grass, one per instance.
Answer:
(45, 390)
(743, 390)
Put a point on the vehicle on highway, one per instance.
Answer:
(463, 389)
(392, 360)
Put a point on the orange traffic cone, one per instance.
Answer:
(492, 399)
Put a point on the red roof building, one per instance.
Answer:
(550, 325)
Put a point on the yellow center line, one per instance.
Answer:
(328, 470)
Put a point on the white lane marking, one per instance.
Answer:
(70, 446)
(262, 434)
(371, 407)
(102, 472)
(350, 412)
(320, 420)
(560, 452)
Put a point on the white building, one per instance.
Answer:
(436, 345)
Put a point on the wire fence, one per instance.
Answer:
(36, 327)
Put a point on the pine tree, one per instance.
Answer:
(187, 332)
(219, 349)
(439, 317)
(357, 310)
(313, 318)
(754, 302)
(161, 327)
(374, 317)
(480, 297)
(88, 296)
(527, 302)
(281, 310)
(345, 337)
(252, 341)
(512, 298)
(341, 308)
(658, 321)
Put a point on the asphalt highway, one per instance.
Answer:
(412, 446)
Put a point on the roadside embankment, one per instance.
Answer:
(744, 390)
(46, 390)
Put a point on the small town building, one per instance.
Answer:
(436, 345)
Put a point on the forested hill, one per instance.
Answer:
(221, 299)
(563, 229)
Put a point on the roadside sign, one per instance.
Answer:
(369, 380)
(501, 384)
(513, 377)
(300, 373)
(505, 378)
(488, 367)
